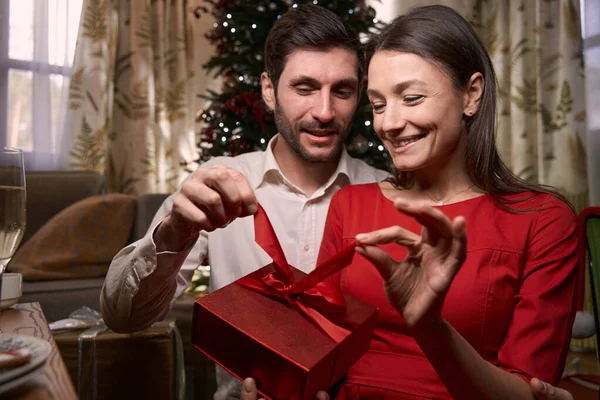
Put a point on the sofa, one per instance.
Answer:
(49, 193)
(52, 194)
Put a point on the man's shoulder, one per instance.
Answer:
(360, 172)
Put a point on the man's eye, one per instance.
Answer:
(304, 90)
(344, 94)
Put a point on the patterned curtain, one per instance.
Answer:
(132, 99)
(536, 47)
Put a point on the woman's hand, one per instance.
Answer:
(417, 285)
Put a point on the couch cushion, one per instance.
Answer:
(147, 206)
(49, 192)
(78, 242)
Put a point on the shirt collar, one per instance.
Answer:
(270, 164)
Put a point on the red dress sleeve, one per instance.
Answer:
(537, 339)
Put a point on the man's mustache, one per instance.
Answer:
(332, 126)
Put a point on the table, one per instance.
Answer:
(53, 382)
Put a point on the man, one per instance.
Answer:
(312, 84)
(312, 81)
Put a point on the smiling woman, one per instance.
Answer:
(451, 325)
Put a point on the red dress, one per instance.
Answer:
(513, 300)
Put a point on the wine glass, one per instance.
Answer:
(12, 204)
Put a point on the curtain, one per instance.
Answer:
(132, 99)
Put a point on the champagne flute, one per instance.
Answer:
(12, 204)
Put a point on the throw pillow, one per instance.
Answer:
(78, 242)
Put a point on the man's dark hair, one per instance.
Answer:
(308, 27)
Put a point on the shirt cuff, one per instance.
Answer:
(186, 249)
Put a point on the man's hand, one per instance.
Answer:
(545, 391)
(249, 391)
(210, 199)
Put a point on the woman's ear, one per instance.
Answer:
(268, 91)
(473, 94)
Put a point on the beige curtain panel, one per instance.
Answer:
(132, 97)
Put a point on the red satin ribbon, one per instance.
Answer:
(311, 295)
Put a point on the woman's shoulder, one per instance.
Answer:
(357, 197)
(542, 209)
(537, 201)
(359, 191)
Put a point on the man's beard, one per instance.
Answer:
(291, 134)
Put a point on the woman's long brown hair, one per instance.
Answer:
(440, 35)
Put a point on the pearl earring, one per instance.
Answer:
(470, 112)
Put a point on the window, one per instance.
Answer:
(37, 47)
(591, 44)
(590, 26)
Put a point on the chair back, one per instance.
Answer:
(589, 222)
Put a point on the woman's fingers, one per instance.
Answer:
(431, 218)
(392, 234)
(459, 244)
(380, 259)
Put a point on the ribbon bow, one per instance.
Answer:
(311, 295)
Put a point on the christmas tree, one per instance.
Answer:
(236, 120)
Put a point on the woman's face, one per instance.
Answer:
(416, 112)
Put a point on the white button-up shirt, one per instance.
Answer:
(231, 252)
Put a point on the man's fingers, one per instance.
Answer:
(249, 204)
(380, 259)
(221, 193)
(322, 395)
(191, 214)
(249, 389)
(545, 391)
(209, 201)
(219, 178)
(392, 234)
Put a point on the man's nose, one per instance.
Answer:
(323, 109)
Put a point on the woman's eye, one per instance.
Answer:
(412, 99)
(378, 107)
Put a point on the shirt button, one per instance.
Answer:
(306, 248)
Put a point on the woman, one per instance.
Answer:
(459, 319)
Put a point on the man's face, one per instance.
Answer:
(315, 100)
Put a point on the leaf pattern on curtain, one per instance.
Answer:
(536, 48)
(132, 99)
(90, 147)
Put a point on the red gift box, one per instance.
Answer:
(295, 334)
